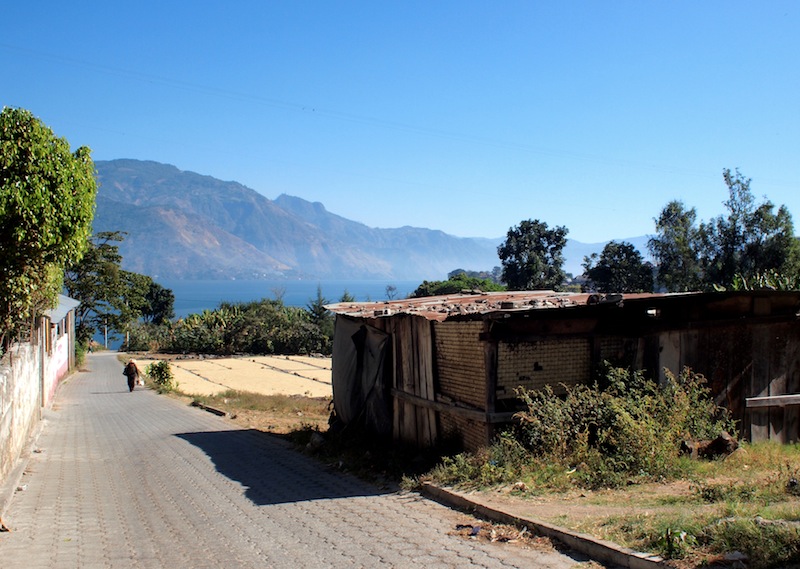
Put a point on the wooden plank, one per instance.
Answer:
(777, 379)
(397, 380)
(409, 427)
(773, 401)
(690, 345)
(461, 410)
(669, 354)
(424, 341)
(422, 432)
(759, 385)
(791, 417)
(423, 418)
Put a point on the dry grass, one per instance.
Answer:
(280, 414)
(748, 502)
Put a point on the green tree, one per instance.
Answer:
(111, 296)
(130, 303)
(750, 240)
(619, 268)
(675, 248)
(493, 275)
(532, 257)
(319, 315)
(455, 284)
(95, 282)
(160, 306)
(47, 200)
(347, 297)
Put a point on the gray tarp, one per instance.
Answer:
(360, 390)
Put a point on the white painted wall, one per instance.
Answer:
(20, 402)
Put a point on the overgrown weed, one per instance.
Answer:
(626, 430)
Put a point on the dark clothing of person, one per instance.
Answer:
(132, 373)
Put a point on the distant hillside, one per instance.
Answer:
(183, 225)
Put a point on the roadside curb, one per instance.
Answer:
(597, 549)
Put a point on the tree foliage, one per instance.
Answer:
(319, 315)
(259, 327)
(47, 200)
(111, 296)
(619, 268)
(455, 284)
(495, 275)
(532, 257)
(159, 305)
(750, 239)
(675, 246)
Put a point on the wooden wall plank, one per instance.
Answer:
(777, 380)
(670, 354)
(424, 343)
(759, 384)
(791, 416)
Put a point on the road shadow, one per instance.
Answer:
(271, 471)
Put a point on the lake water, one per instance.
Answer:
(192, 297)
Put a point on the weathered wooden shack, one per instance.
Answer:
(423, 369)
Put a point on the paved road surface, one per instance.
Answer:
(128, 480)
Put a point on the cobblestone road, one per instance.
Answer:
(129, 480)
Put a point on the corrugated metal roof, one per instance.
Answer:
(65, 304)
(476, 303)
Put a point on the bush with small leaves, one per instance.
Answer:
(161, 375)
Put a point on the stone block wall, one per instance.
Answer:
(20, 402)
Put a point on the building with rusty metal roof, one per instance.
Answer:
(421, 369)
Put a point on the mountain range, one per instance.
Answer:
(184, 225)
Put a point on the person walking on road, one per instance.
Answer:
(131, 371)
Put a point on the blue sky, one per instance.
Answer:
(462, 116)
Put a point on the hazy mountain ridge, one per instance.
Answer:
(183, 225)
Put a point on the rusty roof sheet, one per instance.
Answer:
(476, 303)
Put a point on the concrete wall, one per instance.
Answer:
(56, 367)
(20, 402)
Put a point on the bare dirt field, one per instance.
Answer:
(268, 375)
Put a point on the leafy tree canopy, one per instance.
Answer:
(619, 268)
(494, 275)
(47, 200)
(454, 285)
(749, 240)
(319, 315)
(532, 256)
(160, 304)
(675, 246)
(261, 327)
(111, 296)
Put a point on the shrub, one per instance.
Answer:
(504, 462)
(624, 428)
(262, 327)
(161, 375)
